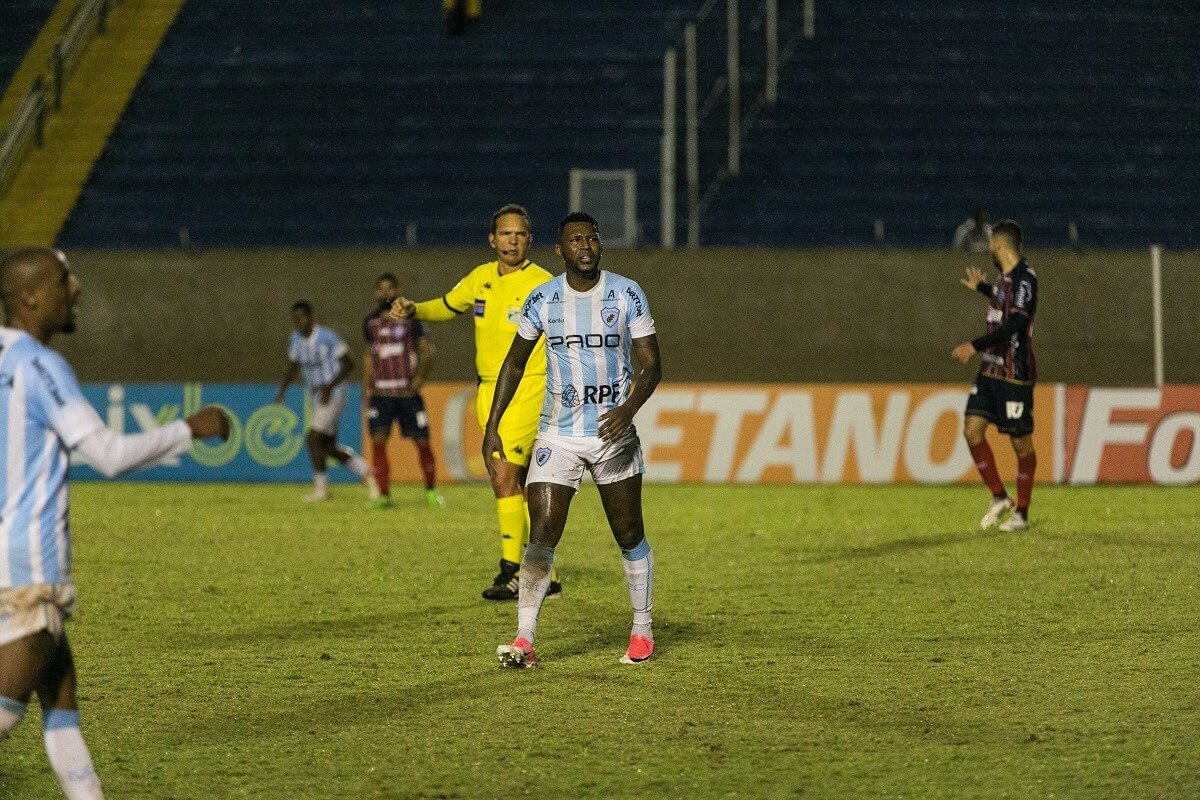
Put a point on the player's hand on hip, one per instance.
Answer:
(614, 423)
(493, 450)
(208, 423)
(402, 308)
(963, 352)
(974, 277)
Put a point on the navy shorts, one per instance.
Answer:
(386, 411)
(1008, 406)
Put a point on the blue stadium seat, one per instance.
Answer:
(20, 21)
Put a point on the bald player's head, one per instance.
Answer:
(38, 290)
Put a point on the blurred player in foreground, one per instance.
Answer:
(495, 292)
(399, 356)
(46, 417)
(323, 358)
(1003, 391)
(593, 322)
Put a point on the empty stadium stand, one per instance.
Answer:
(317, 123)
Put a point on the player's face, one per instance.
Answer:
(303, 321)
(386, 293)
(579, 247)
(511, 240)
(60, 294)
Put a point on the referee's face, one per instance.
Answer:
(511, 240)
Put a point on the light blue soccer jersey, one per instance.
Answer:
(44, 415)
(319, 355)
(588, 336)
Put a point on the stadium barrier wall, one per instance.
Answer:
(719, 433)
(785, 316)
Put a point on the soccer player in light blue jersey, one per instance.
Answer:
(602, 364)
(323, 359)
(43, 417)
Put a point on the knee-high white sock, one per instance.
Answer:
(69, 756)
(535, 582)
(357, 464)
(11, 714)
(639, 578)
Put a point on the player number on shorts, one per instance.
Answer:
(1014, 409)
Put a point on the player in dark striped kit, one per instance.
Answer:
(1003, 391)
(398, 357)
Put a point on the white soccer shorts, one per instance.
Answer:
(563, 459)
(326, 416)
(27, 610)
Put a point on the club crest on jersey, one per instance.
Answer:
(542, 455)
(570, 397)
(609, 314)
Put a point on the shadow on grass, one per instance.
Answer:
(898, 546)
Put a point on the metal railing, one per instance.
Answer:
(753, 41)
(25, 130)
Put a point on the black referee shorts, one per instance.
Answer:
(1008, 406)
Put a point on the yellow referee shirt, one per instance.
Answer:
(495, 300)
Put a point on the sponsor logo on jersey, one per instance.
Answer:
(591, 395)
(637, 301)
(609, 340)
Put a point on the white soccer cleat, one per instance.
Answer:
(317, 496)
(1016, 522)
(372, 487)
(518, 655)
(996, 512)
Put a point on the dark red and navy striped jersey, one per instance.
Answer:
(1012, 304)
(393, 347)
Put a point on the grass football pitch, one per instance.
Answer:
(812, 643)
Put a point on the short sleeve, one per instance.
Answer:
(637, 312)
(56, 399)
(462, 296)
(337, 345)
(530, 324)
(293, 351)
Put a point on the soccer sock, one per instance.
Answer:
(525, 542)
(985, 462)
(379, 460)
(1026, 468)
(11, 714)
(428, 464)
(69, 756)
(321, 482)
(639, 577)
(514, 526)
(535, 582)
(354, 462)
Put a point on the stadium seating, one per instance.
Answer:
(311, 123)
(20, 21)
(305, 123)
(913, 113)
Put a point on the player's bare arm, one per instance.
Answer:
(507, 382)
(289, 377)
(616, 421)
(426, 354)
(208, 423)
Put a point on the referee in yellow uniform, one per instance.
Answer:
(494, 293)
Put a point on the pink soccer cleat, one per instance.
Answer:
(640, 649)
(517, 655)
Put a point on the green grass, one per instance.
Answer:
(813, 642)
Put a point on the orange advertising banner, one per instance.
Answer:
(863, 433)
